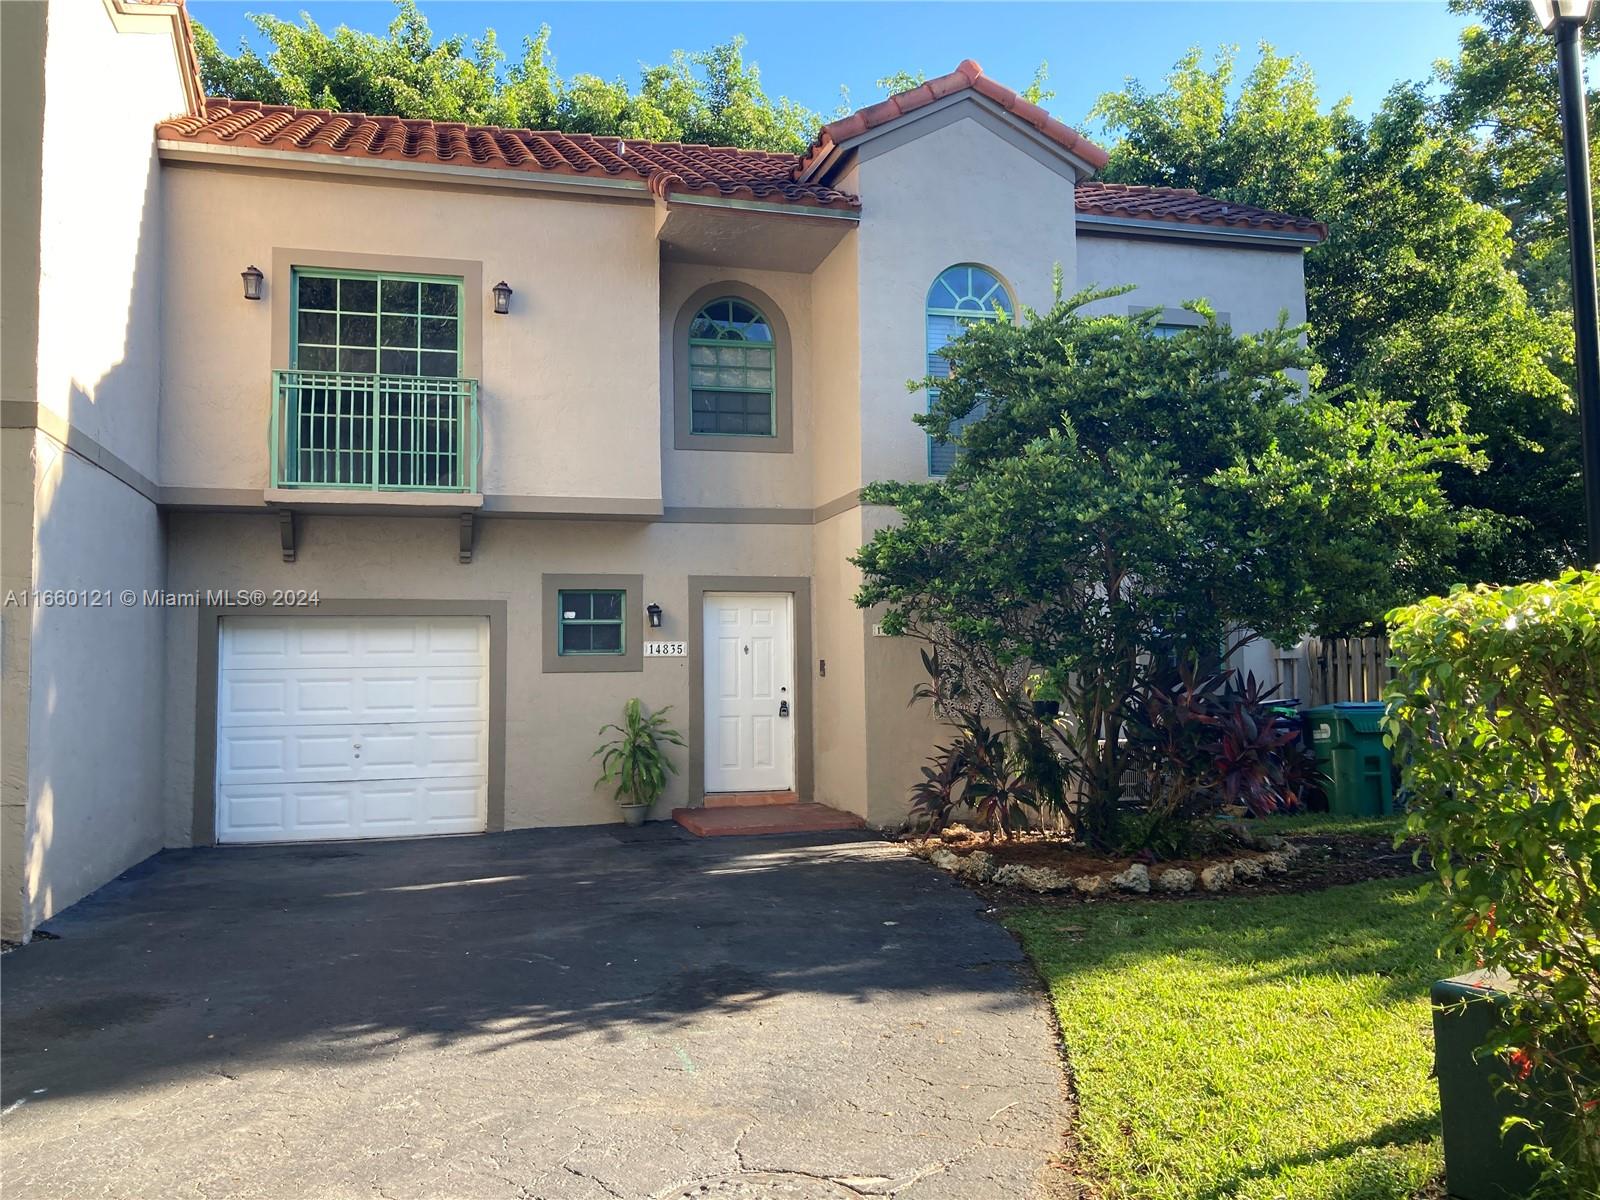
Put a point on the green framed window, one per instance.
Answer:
(591, 622)
(731, 371)
(961, 295)
(361, 322)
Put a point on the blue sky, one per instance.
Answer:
(807, 50)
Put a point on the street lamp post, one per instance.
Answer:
(1565, 18)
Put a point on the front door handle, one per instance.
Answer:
(783, 708)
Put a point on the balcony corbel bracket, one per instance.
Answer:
(286, 533)
(468, 529)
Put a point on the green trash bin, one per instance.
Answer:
(1482, 1160)
(1348, 740)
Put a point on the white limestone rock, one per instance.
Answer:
(1135, 879)
(1035, 879)
(1217, 878)
(1249, 870)
(1090, 885)
(978, 866)
(1175, 879)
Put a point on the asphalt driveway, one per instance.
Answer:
(573, 1014)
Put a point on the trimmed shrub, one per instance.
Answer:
(1495, 714)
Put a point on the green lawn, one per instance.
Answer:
(1269, 1047)
(1384, 827)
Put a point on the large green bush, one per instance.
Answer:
(1496, 714)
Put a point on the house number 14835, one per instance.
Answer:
(666, 649)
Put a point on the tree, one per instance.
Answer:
(713, 97)
(1412, 297)
(1125, 500)
(1502, 91)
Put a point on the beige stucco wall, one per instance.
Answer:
(1251, 286)
(83, 794)
(16, 644)
(570, 386)
(841, 696)
(96, 675)
(100, 238)
(836, 402)
(960, 194)
(551, 719)
(728, 478)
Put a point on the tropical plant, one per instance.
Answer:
(998, 789)
(1125, 500)
(936, 796)
(1495, 715)
(634, 760)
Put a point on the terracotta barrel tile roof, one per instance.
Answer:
(667, 167)
(968, 75)
(1185, 206)
(663, 166)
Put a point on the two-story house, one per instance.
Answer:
(399, 454)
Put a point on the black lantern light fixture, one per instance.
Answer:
(252, 282)
(502, 297)
(1565, 19)
(654, 613)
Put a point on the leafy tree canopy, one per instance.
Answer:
(1124, 499)
(711, 97)
(1501, 91)
(1413, 297)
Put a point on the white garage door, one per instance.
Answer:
(351, 727)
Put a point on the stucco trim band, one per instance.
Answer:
(25, 414)
(203, 831)
(797, 586)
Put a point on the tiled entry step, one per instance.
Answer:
(732, 819)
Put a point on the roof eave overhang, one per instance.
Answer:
(1097, 224)
(178, 150)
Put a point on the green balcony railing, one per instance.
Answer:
(407, 433)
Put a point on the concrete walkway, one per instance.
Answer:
(554, 1014)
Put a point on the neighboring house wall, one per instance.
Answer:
(570, 378)
(1250, 286)
(94, 702)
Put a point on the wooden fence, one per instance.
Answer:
(1330, 670)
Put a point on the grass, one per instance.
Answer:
(1325, 823)
(1253, 1048)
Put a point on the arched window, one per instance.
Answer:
(731, 371)
(960, 295)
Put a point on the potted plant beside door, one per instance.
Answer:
(634, 759)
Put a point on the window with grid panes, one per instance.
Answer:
(591, 622)
(731, 371)
(387, 413)
(362, 323)
(958, 297)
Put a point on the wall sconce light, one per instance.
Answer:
(252, 282)
(502, 297)
(654, 612)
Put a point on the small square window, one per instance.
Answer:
(591, 622)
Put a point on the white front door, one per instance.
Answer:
(749, 692)
(351, 727)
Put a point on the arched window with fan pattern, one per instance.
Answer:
(731, 371)
(962, 294)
